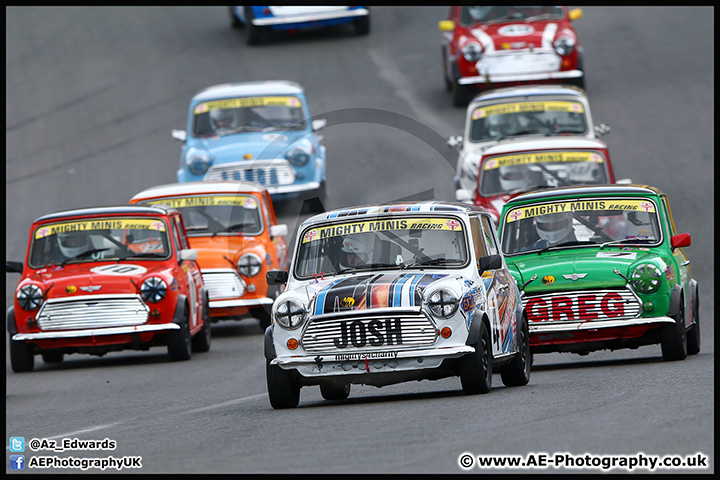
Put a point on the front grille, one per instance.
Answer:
(223, 284)
(368, 332)
(582, 306)
(95, 311)
(266, 172)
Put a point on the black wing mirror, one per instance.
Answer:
(276, 277)
(491, 262)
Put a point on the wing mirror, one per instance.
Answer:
(602, 129)
(318, 124)
(188, 254)
(278, 230)
(491, 262)
(455, 141)
(680, 240)
(179, 135)
(276, 277)
(13, 267)
(463, 195)
(446, 25)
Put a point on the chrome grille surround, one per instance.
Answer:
(92, 311)
(632, 307)
(266, 172)
(223, 283)
(416, 330)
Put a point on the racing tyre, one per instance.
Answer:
(362, 25)
(202, 340)
(234, 20)
(693, 335)
(179, 342)
(262, 316)
(517, 372)
(476, 368)
(254, 34)
(333, 391)
(22, 358)
(448, 82)
(673, 338)
(282, 391)
(52, 356)
(460, 94)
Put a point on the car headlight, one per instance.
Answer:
(646, 278)
(198, 161)
(290, 313)
(153, 289)
(472, 51)
(299, 156)
(443, 302)
(30, 297)
(564, 45)
(249, 264)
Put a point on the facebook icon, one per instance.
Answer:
(17, 462)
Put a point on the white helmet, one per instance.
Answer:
(222, 119)
(513, 177)
(73, 243)
(554, 227)
(360, 245)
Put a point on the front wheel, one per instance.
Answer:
(362, 25)
(460, 94)
(202, 340)
(693, 341)
(262, 316)
(476, 368)
(517, 372)
(52, 356)
(282, 390)
(22, 358)
(179, 342)
(254, 34)
(333, 391)
(673, 338)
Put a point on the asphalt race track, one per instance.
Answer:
(92, 95)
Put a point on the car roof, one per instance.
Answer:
(432, 206)
(109, 210)
(544, 143)
(531, 90)
(612, 189)
(242, 89)
(199, 187)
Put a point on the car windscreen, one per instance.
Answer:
(99, 239)
(248, 114)
(517, 172)
(224, 214)
(383, 243)
(470, 15)
(581, 223)
(536, 117)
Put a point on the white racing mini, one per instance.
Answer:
(384, 294)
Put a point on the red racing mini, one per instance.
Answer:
(491, 47)
(105, 279)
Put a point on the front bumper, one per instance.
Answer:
(504, 67)
(379, 361)
(96, 332)
(596, 325)
(310, 17)
(525, 77)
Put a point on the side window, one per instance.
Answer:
(179, 225)
(175, 238)
(267, 218)
(668, 216)
(477, 238)
(489, 234)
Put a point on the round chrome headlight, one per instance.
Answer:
(153, 289)
(443, 303)
(249, 264)
(564, 45)
(472, 51)
(299, 156)
(290, 313)
(30, 297)
(646, 278)
(198, 161)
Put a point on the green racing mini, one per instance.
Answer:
(601, 267)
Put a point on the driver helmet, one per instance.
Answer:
(222, 119)
(586, 172)
(73, 243)
(358, 249)
(554, 227)
(513, 177)
(503, 125)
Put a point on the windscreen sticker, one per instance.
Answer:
(579, 206)
(620, 254)
(541, 157)
(120, 269)
(87, 225)
(247, 102)
(217, 200)
(380, 225)
(520, 107)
